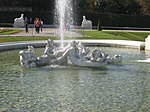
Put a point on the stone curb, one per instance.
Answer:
(104, 43)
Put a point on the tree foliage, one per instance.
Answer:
(90, 4)
(112, 6)
(145, 7)
(103, 6)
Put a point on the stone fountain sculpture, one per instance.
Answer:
(78, 54)
(19, 22)
(147, 42)
(28, 58)
(86, 24)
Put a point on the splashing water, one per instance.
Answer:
(64, 17)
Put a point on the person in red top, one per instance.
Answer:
(37, 25)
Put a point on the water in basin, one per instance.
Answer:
(114, 88)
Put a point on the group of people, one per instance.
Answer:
(38, 23)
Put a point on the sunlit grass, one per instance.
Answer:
(17, 39)
(9, 31)
(92, 34)
(115, 35)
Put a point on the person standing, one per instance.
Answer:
(26, 24)
(41, 25)
(37, 25)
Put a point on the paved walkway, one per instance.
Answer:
(45, 33)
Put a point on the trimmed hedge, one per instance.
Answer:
(8, 17)
(112, 20)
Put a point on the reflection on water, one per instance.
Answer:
(115, 88)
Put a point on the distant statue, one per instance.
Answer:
(86, 24)
(19, 19)
(19, 22)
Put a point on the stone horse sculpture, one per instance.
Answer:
(78, 54)
(86, 24)
(19, 22)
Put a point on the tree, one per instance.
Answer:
(132, 7)
(42, 5)
(118, 6)
(90, 5)
(86, 5)
(145, 7)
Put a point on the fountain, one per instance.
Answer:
(56, 82)
(64, 17)
(78, 54)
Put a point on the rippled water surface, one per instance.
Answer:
(114, 88)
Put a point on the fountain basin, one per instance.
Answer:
(110, 43)
(123, 87)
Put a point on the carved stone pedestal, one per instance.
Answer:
(147, 43)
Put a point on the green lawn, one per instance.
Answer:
(9, 31)
(112, 35)
(19, 38)
(115, 35)
(16, 39)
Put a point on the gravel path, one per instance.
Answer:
(45, 33)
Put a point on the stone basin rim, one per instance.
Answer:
(103, 43)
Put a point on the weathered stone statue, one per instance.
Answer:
(28, 58)
(86, 24)
(97, 59)
(78, 54)
(19, 22)
(52, 52)
(147, 42)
